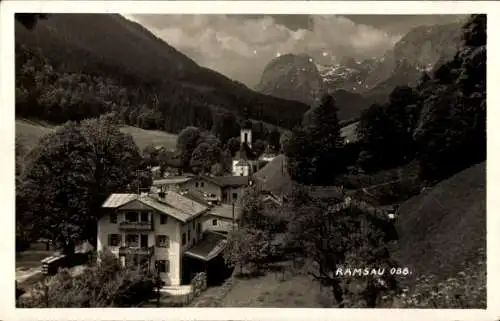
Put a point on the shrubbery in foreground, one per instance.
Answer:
(107, 284)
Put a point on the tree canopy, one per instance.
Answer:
(78, 165)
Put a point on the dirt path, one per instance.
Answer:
(23, 274)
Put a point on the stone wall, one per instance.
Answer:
(216, 294)
(199, 283)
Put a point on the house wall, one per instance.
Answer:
(173, 253)
(189, 229)
(240, 170)
(200, 185)
(167, 187)
(222, 224)
(172, 229)
(105, 228)
(228, 196)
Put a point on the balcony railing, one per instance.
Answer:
(145, 251)
(137, 226)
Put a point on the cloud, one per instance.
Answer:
(240, 46)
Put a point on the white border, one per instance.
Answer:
(7, 133)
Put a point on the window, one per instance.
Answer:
(235, 196)
(144, 240)
(132, 240)
(214, 222)
(196, 184)
(144, 216)
(114, 240)
(113, 218)
(183, 238)
(189, 235)
(163, 219)
(131, 217)
(162, 241)
(202, 184)
(198, 228)
(163, 266)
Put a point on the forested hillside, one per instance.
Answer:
(75, 66)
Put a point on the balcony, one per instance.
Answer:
(136, 226)
(141, 251)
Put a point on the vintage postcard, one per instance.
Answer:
(322, 159)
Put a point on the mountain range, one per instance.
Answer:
(111, 46)
(358, 84)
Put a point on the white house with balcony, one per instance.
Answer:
(163, 230)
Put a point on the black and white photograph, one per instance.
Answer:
(250, 160)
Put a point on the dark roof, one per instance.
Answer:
(226, 181)
(273, 177)
(210, 246)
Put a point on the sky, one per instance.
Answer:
(240, 46)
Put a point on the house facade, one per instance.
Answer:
(223, 219)
(213, 189)
(154, 229)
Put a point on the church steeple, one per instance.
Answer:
(246, 133)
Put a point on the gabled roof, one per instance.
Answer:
(117, 200)
(184, 204)
(209, 247)
(273, 177)
(172, 180)
(233, 181)
(173, 204)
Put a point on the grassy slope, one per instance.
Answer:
(444, 227)
(32, 132)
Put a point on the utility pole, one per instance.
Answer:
(157, 285)
(234, 221)
(137, 172)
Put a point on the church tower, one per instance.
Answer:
(246, 135)
(243, 160)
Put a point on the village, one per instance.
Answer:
(144, 178)
(178, 227)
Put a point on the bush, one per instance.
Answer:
(466, 290)
(106, 284)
